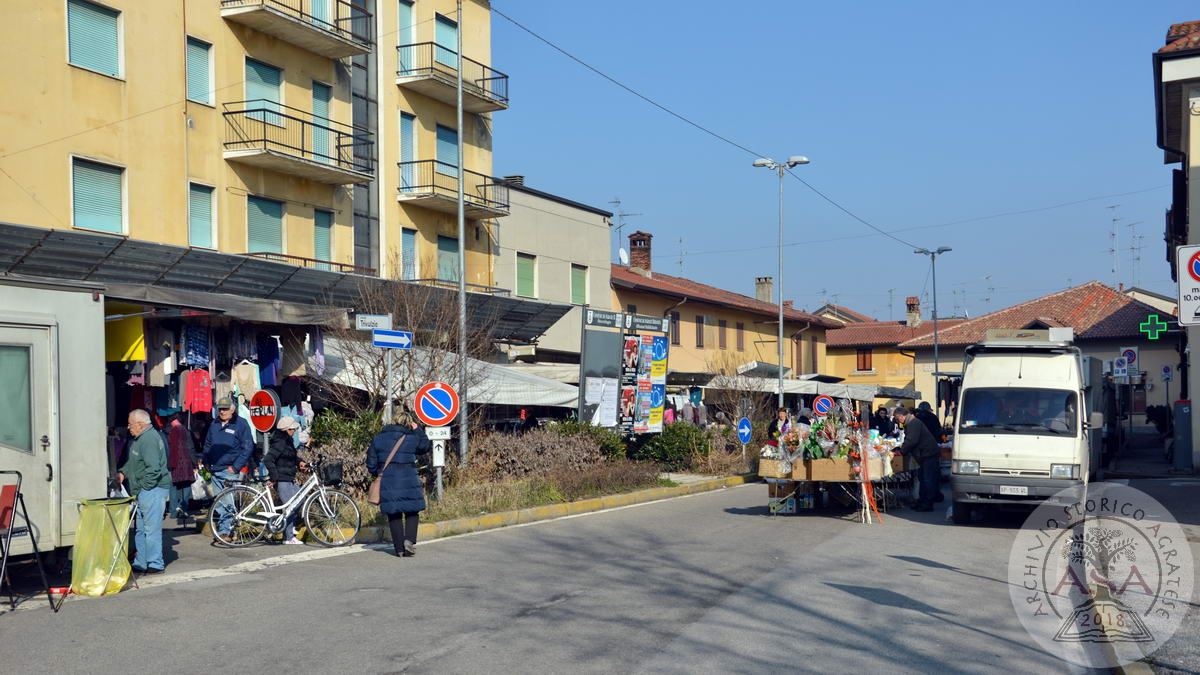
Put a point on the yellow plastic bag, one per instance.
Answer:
(102, 547)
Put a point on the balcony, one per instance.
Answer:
(333, 28)
(434, 185)
(313, 263)
(430, 69)
(273, 136)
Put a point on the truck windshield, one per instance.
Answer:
(1014, 410)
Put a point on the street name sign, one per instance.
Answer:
(373, 321)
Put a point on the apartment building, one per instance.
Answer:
(217, 124)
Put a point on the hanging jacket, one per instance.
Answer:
(197, 391)
(181, 455)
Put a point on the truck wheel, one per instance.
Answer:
(961, 513)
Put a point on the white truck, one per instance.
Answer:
(52, 402)
(1024, 428)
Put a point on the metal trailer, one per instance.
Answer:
(53, 401)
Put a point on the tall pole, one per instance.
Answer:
(937, 392)
(462, 256)
(780, 169)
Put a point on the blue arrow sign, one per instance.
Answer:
(744, 430)
(392, 339)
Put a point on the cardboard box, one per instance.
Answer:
(774, 468)
(829, 469)
(783, 488)
(900, 463)
(782, 505)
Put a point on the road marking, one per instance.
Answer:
(147, 582)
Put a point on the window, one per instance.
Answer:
(94, 37)
(864, 360)
(408, 253)
(199, 71)
(322, 95)
(675, 337)
(526, 275)
(200, 216)
(721, 326)
(263, 91)
(447, 260)
(408, 151)
(1018, 410)
(631, 308)
(740, 330)
(446, 37)
(323, 237)
(404, 37)
(16, 398)
(447, 151)
(812, 354)
(264, 225)
(97, 202)
(579, 274)
(699, 331)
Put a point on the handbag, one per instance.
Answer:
(377, 484)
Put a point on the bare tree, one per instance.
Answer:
(738, 394)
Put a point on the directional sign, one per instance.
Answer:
(437, 404)
(1167, 373)
(1187, 267)
(744, 430)
(264, 410)
(822, 405)
(373, 321)
(439, 453)
(392, 339)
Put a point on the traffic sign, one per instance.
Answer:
(439, 453)
(744, 428)
(373, 321)
(392, 339)
(1187, 265)
(1131, 356)
(264, 410)
(1120, 367)
(438, 433)
(1167, 373)
(822, 405)
(437, 404)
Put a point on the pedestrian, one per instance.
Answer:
(778, 427)
(393, 457)
(529, 422)
(881, 421)
(227, 450)
(181, 462)
(149, 482)
(921, 446)
(924, 412)
(669, 413)
(282, 460)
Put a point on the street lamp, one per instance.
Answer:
(780, 168)
(933, 255)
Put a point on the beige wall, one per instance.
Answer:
(53, 111)
(890, 366)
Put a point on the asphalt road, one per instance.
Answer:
(705, 584)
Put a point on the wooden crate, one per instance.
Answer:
(773, 468)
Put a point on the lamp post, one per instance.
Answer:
(933, 256)
(780, 168)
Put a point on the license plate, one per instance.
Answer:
(1016, 490)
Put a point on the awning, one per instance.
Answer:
(233, 306)
(498, 385)
(857, 392)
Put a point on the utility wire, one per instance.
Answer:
(850, 213)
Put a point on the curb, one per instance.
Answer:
(375, 534)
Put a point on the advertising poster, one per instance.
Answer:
(643, 383)
(628, 406)
(641, 421)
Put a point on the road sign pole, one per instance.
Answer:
(387, 404)
(439, 483)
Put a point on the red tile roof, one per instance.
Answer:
(679, 287)
(1182, 37)
(844, 312)
(883, 333)
(1094, 310)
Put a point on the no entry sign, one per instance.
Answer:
(264, 410)
(822, 405)
(437, 404)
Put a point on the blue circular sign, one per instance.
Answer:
(822, 405)
(658, 396)
(660, 349)
(744, 428)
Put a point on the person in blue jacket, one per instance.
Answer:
(401, 495)
(227, 450)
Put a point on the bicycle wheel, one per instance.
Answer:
(332, 517)
(236, 517)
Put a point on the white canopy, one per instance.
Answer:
(857, 392)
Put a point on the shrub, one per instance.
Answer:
(358, 431)
(611, 443)
(355, 479)
(674, 447)
(535, 453)
(606, 478)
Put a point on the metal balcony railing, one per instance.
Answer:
(342, 18)
(429, 59)
(313, 263)
(440, 179)
(452, 283)
(262, 124)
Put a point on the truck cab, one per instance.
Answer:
(1023, 432)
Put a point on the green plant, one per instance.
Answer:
(674, 447)
(356, 430)
(611, 443)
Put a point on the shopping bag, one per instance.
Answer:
(100, 564)
(200, 488)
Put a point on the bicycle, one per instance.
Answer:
(330, 514)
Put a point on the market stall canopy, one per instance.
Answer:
(858, 392)
(149, 272)
(498, 385)
(567, 373)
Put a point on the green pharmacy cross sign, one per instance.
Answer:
(1153, 327)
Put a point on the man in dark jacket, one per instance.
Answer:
(401, 495)
(881, 421)
(227, 450)
(282, 460)
(921, 446)
(924, 412)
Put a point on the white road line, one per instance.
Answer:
(147, 582)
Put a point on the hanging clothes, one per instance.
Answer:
(246, 380)
(294, 355)
(243, 343)
(222, 386)
(160, 354)
(269, 359)
(316, 351)
(289, 392)
(220, 351)
(197, 388)
(195, 346)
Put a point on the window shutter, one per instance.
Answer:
(447, 258)
(447, 150)
(323, 237)
(525, 274)
(199, 82)
(322, 94)
(408, 253)
(408, 149)
(675, 336)
(579, 284)
(200, 228)
(93, 41)
(446, 36)
(700, 331)
(96, 196)
(262, 90)
(264, 218)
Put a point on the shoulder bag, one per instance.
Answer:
(377, 484)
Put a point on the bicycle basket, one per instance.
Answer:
(330, 473)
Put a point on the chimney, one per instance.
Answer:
(789, 304)
(764, 289)
(913, 305)
(514, 180)
(639, 250)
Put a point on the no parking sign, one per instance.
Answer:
(437, 404)
(822, 405)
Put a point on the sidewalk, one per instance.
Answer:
(1144, 456)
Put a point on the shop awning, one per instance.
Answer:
(208, 280)
(858, 392)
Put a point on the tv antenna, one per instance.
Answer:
(621, 216)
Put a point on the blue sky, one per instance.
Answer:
(914, 114)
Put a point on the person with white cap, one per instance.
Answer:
(282, 460)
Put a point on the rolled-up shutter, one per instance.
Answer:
(199, 82)
(264, 219)
(93, 39)
(96, 196)
(200, 216)
(323, 238)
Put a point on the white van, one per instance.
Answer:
(52, 402)
(1022, 432)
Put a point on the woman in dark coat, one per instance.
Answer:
(401, 495)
